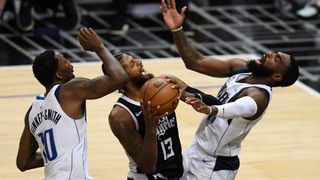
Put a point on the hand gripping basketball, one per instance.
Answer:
(160, 92)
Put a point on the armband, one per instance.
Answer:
(242, 107)
(178, 29)
(210, 110)
(206, 98)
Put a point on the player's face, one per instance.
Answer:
(134, 68)
(269, 64)
(65, 69)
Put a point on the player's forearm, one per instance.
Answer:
(37, 161)
(112, 67)
(149, 153)
(206, 98)
(189, 54)
(242, 107)
(32, 162)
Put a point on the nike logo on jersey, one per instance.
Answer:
(138, 114)
(204, 160)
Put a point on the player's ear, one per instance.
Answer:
(59, 75)
(277, 76)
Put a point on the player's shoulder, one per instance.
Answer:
(117, 111)
(120, 118)
(119, 114)
(257, 91)
(253, 89)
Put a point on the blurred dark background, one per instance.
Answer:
(216, 27)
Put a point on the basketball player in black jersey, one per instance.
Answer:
(151, 142)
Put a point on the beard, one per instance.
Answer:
(139, 81)
(258, 69)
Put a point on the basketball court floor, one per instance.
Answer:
(284, 145)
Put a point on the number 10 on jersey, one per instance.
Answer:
(47, 139)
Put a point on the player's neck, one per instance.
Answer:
(256, 80)
(49, 87)
(132, 92)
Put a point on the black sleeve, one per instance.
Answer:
(206, 98)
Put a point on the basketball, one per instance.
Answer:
(160, 92)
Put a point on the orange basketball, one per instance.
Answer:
(160, 92)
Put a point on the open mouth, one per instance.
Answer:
(262, 60)
(144, 72)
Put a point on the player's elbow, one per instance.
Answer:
(193, 63)
(147, 165)
(121, 80)
(148, 169)
(189, 65)
(21, 165)
(21, 168)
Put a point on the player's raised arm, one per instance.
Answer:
(82, 88)
(90, 41)
(193, 59)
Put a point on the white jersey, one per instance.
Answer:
(222, 137)
(62, 140)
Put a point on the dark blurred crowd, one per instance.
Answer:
(65, 14)
(301, 8)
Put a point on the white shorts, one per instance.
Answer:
(137, 176)
(141, 176)
(200, 166)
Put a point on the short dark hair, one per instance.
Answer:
(117, 54)
(45, 66)
(291, 75)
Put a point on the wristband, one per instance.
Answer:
(176, 30)
(210, 110)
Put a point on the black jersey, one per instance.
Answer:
(169, 162)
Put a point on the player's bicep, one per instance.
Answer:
(27, 145)
(219, 68)
(123, 127)
(83, 88)
(261, 97)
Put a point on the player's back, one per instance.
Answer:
(62, 140)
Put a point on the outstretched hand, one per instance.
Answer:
(177, 83)
(198, 105)
(170, 14)
(89, 40)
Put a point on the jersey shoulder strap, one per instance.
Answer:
(134, 109)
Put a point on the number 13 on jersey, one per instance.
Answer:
(167, 148)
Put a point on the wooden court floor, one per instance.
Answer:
(284, 145)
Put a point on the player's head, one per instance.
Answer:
(134, 68)
(50, 67)
(278, 68)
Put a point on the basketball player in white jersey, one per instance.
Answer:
(56, 121)
(244, 99)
